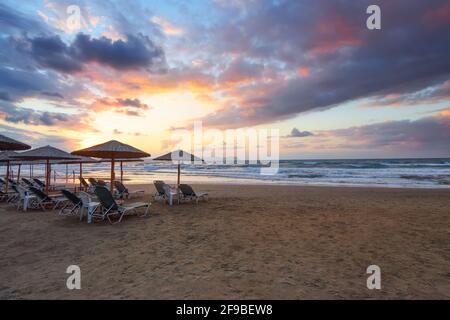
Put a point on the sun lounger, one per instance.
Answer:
(102, 183)
(159, 189)
(123, 192)
(97, 182)
(88, 205)
(28, 183)
(23, 198)
(187, 193)
(111, 208)
(86, 186)
(39, 183)
(44, 200)
(164, 192)
(72, 207)
(6, 196)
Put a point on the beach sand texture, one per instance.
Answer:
(246, 242)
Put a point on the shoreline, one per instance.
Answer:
(293, 184)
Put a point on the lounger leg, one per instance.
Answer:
(81, 212)
(146, 211)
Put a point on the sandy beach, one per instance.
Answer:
(246, 242)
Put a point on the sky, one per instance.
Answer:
(136, 70)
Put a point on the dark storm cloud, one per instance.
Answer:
(295, 133)
(134, 53)
(15, 84)
(52, 52)
(346, 61)
(13, 114)
(137, 52)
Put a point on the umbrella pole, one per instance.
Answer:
(18, 173)
(111, 187)
(67, 173)
(31, 171)
(47, 175)
(81, 173)
(178, 178)
(121, 171)
(7, 176)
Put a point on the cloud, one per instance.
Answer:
(131, 107)
(295, 133)
(167, 27)
(37, 139)
(407, 138)
(345, 60)
(52, 52)
(135, 103)
(13, 114)
(429, 95)
(15, 22)
(239, 71)
(135, 53)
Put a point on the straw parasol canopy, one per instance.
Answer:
(46, 153)
(112, 150)
(179, 156)
(7, 143)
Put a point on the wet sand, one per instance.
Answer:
(245, 242)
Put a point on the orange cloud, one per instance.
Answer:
(333, 33)
(304, 72)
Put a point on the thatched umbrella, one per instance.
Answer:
(79, 161)
(11, 144)
(112, 150)
(46, 153)
(179, 156)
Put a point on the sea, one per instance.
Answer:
(403, 173)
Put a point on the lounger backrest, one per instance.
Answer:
(83, 182)
(39, 182)
(159, 186)
(27, 182)
(15, 189)
(85, 198)
(120, 187)
(72, 197)
(21, 190)
(101, 183)
(187, 190)
(166, 189)
(105, 197)
(40, 194)
(93, 181)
